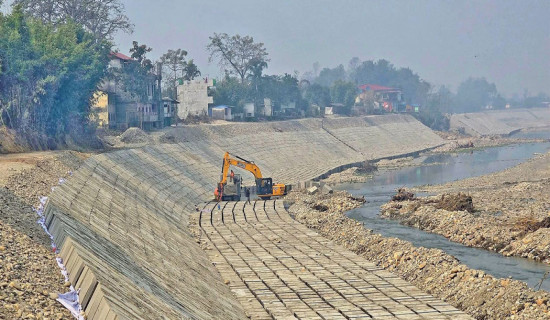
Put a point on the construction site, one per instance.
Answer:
(184, 225)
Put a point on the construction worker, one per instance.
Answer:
(231, 176)
(216, 194)
(247, 193)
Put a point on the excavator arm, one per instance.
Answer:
(241, 163)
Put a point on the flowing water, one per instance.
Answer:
(437, 169)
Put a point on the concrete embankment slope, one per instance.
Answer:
(500, 122)
(121, 220)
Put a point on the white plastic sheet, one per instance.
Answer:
(69, 299)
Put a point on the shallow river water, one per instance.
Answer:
(437, 169)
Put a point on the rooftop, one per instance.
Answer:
(375, 87)
(120, 56)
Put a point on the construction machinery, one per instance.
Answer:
(265, 189)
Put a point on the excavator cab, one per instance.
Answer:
(264, 188)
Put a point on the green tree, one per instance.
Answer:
(345, 93)
(382, 72)
(256, 81)
(235, 54)
(433, 113)
(317, 94)
(473, 94)
(534, 101)
(49, 74)
(139, 53)
(136, 75)
(328, 76)
(230, 91)
(191, 71)
(102, 18)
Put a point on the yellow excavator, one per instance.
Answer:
(265, 189)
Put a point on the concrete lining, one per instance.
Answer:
(126, 213)
(500, 122)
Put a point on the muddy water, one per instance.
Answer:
(439, 169)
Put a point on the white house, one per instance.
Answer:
(222, 113)
(193, 97)
(249, 110)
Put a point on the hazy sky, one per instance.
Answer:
(508, 42)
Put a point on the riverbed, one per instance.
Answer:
(438, 169)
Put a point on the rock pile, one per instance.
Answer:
(347, 176)
(432, 270)
(455, 202)
(135, 135)
(402, 195)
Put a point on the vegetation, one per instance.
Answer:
(54, 54)
(48, 74)
(175, 67)
(101, 18)
(475, 94)
(137, 75)
(173, 63)
(237, 55)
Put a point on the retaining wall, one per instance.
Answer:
(500, 122)
(121, 220)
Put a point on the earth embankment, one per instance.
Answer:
(121, 220)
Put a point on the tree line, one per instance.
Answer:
(244, 61)
(54, 55)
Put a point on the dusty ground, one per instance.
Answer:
(432, 270)
(511, 211)
(29, 275)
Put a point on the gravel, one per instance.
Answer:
(29, 276)
(509, 211)
(135, 135)
(432, 270)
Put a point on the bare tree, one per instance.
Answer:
(236, 53)
(103, 18)
(174, 61)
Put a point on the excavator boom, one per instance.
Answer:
(241, 163)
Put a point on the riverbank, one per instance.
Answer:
(29, 275)
(453, 143)
(432, 270)
(510, 211)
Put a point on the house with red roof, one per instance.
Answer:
(375, 98)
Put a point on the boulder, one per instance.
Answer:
(312, 190)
